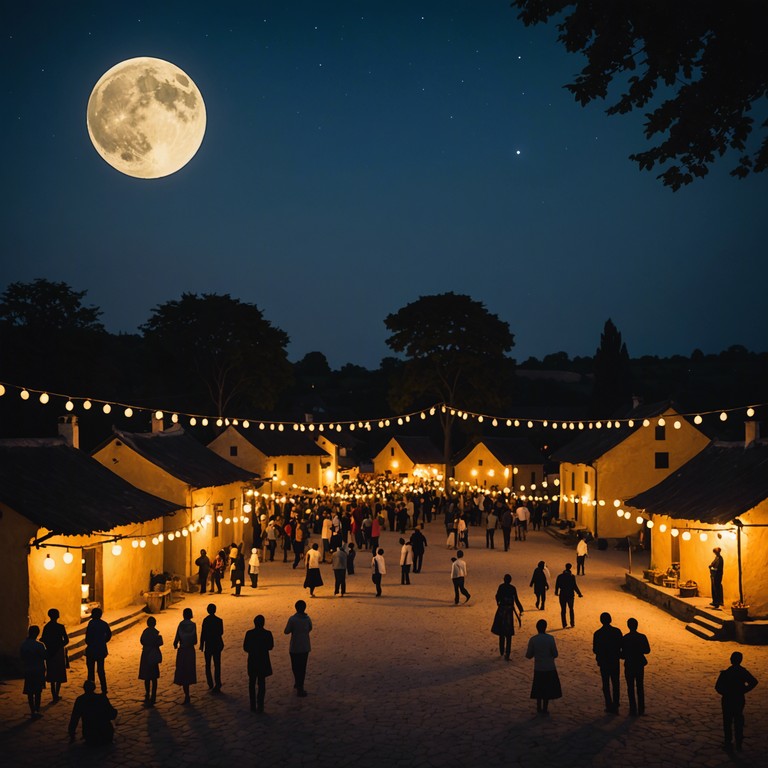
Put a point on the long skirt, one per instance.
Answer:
(186, 666)
(504, 621)
(34, 682)
(546, 685)
(313, 578)
(57, 667)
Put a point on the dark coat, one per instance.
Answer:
(606, 645)
(539, 581)
(212, 633)
(97, 635)
(634, 646)
(257, 644)
(504, 620)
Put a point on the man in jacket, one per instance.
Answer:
(339, 565)
(606, 645)
(212, 644)
(565, 588)
(458, 575)
(732, 685)
(298, 627)
(634, 647)
(97, 635)
(203, 564)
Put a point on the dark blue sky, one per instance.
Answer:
(359, 155)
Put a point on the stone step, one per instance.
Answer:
(76, 647)
(701, 631)
(709, 622)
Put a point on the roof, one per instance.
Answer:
(66, 491)
(275, 443)
(593, 443)
(507, 450)
(420, 450)
(179, 454)
(720, 483)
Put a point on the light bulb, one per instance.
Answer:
(67, 557)
(49, 563)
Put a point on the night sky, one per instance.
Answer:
(361, 154)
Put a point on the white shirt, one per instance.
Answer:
(581, 548)
(406, 555)
(458, 568)
(382, 565)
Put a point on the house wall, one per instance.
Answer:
(393, 459)
(330, 476)
(15, 532)
(696, 555)
(626, 470)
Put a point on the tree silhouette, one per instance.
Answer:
(706, 62)
(613, 377)
(455, 352)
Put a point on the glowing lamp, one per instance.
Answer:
(649, 523)
(192, 421)
(69, 405)
(160, 536)
(44, 398)
(247, 508)
(246, 520)
(646, 423)
(227, 521)
(627, 515)
(663, 527)
(697, 419)
(619, 513)
(204, 422)
(184, 532)
(87, 405)
(662, 421)
(723, 416)
(85, 590)
(135, 543)
(750, 411)
(219, 422)
(702, 536)
(171, 536)
(155, 540)
(686, 535)
(159, 415)
(235, 519)
(246, 424)
(219, 518)
(24, 395)
(49, 563)
(67, 557)
(117, 550)
(677, 425)
(143, 543)
(175, 418)
(639, 520)
(128, 412)
(106, 408)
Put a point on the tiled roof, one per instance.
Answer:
(591, 444)
(507, 450)
(65, 490)
(717, 485)
(275, 443)
(179, 454)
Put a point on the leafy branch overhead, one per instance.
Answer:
(703, 64)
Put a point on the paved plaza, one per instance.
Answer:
(410, 679)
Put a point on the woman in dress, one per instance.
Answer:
(33, 655)
(55, 640)
(149, 663)
(504, 620)
(313, 578)
(186, 662)
(546, 683)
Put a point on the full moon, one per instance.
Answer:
(146, 117)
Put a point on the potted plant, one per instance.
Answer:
(649, 573)
(689, 589)
(740, 611)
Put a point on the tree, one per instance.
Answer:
(223, 344)
(455, 352)
(613, 378)
(706, 62)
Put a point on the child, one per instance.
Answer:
(351, 559)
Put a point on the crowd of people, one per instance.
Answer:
(345, 530)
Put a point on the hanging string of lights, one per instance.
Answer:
(71, 402)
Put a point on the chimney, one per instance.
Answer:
(69, 429)
(157, 424)
(751, 432)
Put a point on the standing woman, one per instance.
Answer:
(504, 620)
(257, 644)
(186, 663)
(149, 664)
(546, 683)
(55, 640)
(540, 584)
(238, 572)
(313, 578)
(253, 567)
(33, 657)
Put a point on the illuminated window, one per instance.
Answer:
(662, 459)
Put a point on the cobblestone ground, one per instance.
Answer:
(410, 680)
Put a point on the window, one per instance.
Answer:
(233, 450)
(533, 477)
(573, 481)
(392, 451)
(274, 469)
(662, 460)
(586, 478)
(231, 504)
(661, 433)
(308, 469)
(479, 462)
(290, 467)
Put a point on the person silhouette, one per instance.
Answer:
(97, 635)
(96, 712)
(606, 645)
(634, 647)
(258, 642)
(546, 683)
(732, 685)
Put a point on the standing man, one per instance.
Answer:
(418, 545)
(258, 642)
(581, 554)
(565, 587)
(506, 525)
(523, 515)
(212, 644)
(97, 635)
(716, 578)
(634, 647)
(203, 564)
(458, 574)
(298, 627)
(732, 685)
(606, 645)
(339, 565)
(378, 569)
(406, 561)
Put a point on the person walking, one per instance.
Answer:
(313, 578)
(540, 585)
(506, 525)
(504, 619)
(522, 516)
(375, 532)
(716, 578)
(258, 642)
(582, 551)
(565, 588)
(33, 656)
(406, 561)
(203, 564)
(186, 663)
(339, 566)
(219, 566)
(212, 644)
(378, 569)
(634, 647)
(733, 684)
(491, 524)
(351, 555)
(149, 664)
(298, 627)
(458, 576)
(253, 567)
(97, 635)
(418, 547)
(237, 574)
(55, 640)
(606, 645)
(546, 682)
(97, 714)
